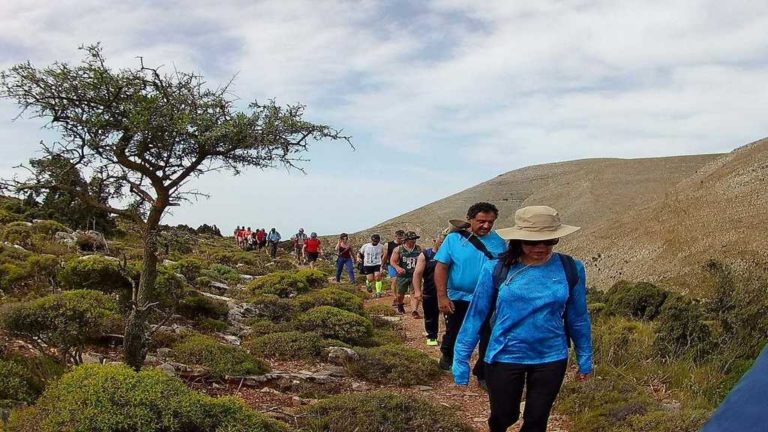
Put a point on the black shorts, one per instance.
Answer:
(312, 256)
(371, 269)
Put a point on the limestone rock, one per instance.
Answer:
(339, 355)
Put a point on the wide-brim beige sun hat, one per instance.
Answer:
(537, 223)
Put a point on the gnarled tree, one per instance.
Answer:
(143, 135)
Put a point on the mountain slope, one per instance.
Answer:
(719, 213)
(585, 192)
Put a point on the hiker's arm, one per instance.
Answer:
(441, 283)
(469, 335)
(418, 273)
(394, 261)
(578, 322)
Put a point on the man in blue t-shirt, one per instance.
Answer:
(459, 260)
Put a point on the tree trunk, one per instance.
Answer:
(136, 340)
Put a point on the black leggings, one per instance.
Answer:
(431, 316)
(505, 389)
(453, 325)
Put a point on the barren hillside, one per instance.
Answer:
(585, 191)
(720, 212)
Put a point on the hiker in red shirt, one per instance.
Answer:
(312, 249)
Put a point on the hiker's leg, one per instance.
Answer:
(543, 384)
(431, 316)
(379, 283)
(452, 326)
(339, 268)
(505, 388)
(350, 269)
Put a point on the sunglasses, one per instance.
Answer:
(550, 242)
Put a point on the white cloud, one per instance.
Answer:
(438, 84)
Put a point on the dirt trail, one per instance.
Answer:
(470, 401)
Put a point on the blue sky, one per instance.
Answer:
(437, 95)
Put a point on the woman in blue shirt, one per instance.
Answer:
(540, 304)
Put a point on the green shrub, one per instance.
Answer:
(313, 278)
(234, 258)
(282, 284)
(286, 346)
(169, 288)
(196, 305)
(394, 364)
(639, 300)
(220, 359)
(48, 227)
(261, 327)
(7, 217)
(222, 273)
(190, 268)
(95, 273)
(211, 325)
(18, 233)
(330, 297)
(272, 307)
(335, 323)
(685, 420)
(381, 310)
(620, 342)
(16, 383)
(114, 398)
(682, 330)
(284, 265)
(392, 334)
(65, 321)
(379, 411)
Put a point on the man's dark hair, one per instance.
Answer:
(481, 207)
(399, 233)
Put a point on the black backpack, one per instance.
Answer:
(500, 272)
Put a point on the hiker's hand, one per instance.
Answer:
(416, 297)
(580, 377)
(400, 270)
(445, 305)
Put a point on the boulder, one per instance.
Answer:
(339, 355)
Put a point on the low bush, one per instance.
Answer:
(19, 233)
(335, 323)
(16, 383)
(379, 411)
(682, 330)
(313, 278)
(330, 297)
(48, 227)
(381, 310)
(65, 321)
(261, 327)
(95, 273)
(282, 284)
(211, 325)
(220, 359)
(394, 364)
(272, 308)
(286, 346)
(190, 268)
(196, 305)
(114, 398)
(640, 300)
(222, 273)
(7, 217)
(284, 265)
(622, 343)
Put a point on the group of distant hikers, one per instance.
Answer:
(506, 290)
(307, 248)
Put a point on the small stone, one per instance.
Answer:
(340, 355)
(164, 352)
(168, 369)
(422, 387)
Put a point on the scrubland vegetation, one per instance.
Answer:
(664, 360)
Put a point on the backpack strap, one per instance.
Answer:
(476, 242)
(572, 276)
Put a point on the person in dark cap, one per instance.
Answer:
(403, 260)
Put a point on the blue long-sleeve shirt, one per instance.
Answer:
(528, 326)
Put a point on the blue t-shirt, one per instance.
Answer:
(529, 327)
(465, 262)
